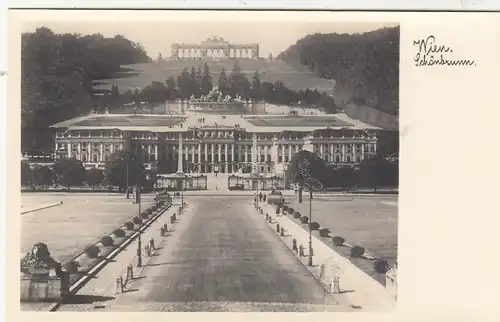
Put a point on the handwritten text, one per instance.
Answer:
(430, 53)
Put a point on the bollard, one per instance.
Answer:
(301, 251)
(162, 231)
(119, 285)
(130, 273)
(294, 245)
(335, 286)
(282, 232)
(171, 219)
(152, 244)
(277, 228)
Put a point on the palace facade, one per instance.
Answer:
(208, 143)
(214, 48)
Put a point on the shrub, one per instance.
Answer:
(314, 225)
(107, 241)
(338, 241)
(291, 210)
(72, 267)
(137, 220)
(92, 251)
(285, 207)
(324, 232)
(357, 251)
(297, 214)
(129, 226)
(149, 211)
(119, 232)
(380, 266)
(145, 215)
(304, 219)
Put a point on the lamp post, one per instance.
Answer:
(126, 184)
(310, 231)
(139, 241)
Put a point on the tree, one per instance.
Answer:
(26, 174)
(171, 88)
(69, 172)
(307, 169)
(94, 177)
(345, 177)
(184, 84)
(42, 176)
(206, 80)
(223, 82)
(117, 166)
(256, 90)
(364, 65)
(373, 172)
(57, 74)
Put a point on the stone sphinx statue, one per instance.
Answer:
(39, 261)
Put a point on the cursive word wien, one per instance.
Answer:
(429, 53)
(305, 169)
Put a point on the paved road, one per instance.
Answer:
(222, 256)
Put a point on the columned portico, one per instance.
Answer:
(214, 48)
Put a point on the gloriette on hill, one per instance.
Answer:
(214, 47)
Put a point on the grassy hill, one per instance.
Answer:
(141, 75)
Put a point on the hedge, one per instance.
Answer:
(380, 266)
(338, 241)
(92, 251)
(324, 232)
(304, 219)
(129, 226)
(107, 241)
(71, 267)
(357, 251)
(314, 225)
(119, 232)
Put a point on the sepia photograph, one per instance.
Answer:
(209, 166)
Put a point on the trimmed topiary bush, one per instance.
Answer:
(71, 267)
(304, 219)
(357, 251)
(137, 220)
(107, 241)
(380, 266)
(145, 215)
(92, 251)
(314, 225)
(129, 225)
(297, 215)
(338, 241)
(285, 207)
(291, 210)
(119, 232)
(324, 232)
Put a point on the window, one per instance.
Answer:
(95, 158)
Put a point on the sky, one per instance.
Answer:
(157, 37)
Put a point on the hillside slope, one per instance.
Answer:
(365, 67)
(141, 75)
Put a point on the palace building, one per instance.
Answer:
(214, 48)
(198, 142)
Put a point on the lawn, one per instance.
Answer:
(82, 219)
(367, 221)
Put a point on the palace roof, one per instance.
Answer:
(181, 123)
